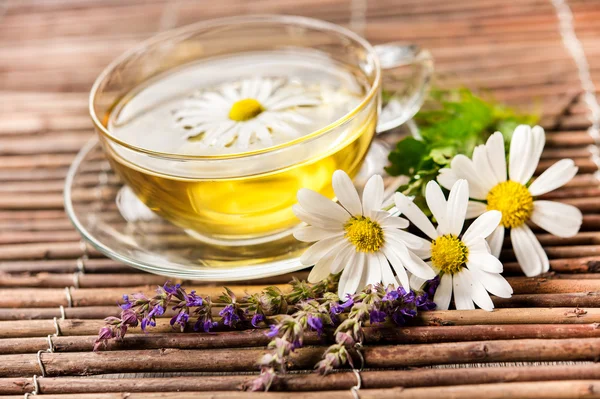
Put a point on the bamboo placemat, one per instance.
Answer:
(55, 290)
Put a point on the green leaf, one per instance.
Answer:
(407, 156)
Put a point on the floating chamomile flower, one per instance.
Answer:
(465, 263)
(514, 197)
(246, 112)
(357, 237)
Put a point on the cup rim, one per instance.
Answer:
(293, 20)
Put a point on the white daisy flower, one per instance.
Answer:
(514, 196)
(357, 237)
(245, 112)
(465, 263)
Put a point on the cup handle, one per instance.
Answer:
(403, 93)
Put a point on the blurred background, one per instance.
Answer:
(52, 50)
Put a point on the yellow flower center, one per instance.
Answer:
(449, 253)
(245, 109)
(365, 234)
(513, 200)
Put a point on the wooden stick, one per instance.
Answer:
(551, 285)
(42, 328)
(589, 264)
(308, 382)
(175, 360)
(32, 297)
(589, 299)
(99, 265)
(44, 251)
(532, 390)
(51, 297)
(257, 337)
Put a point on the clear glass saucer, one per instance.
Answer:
(153, 244)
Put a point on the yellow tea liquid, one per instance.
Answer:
(240, 206)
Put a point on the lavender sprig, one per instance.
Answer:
(139, 309)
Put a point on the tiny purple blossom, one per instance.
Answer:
(129, 317)
(181, 318)
(171, 289)
(149, 320)
(229, 315)
(257, 319)
(340, 307)
(209, 325)
(128, 304)
(273, 331)
(377, 316)
(316, 324)
(193, 300)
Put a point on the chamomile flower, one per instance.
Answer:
(357, 237)
(464, 262)
(514, 196)
(245, 112)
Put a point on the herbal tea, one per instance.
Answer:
(252, 103)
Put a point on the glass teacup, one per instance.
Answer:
(238, 187)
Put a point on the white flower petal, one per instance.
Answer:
(447, 177)
(530, 254)
(479, 295)
(322, 206)
(436, 202)
(391, 253)
(394, 222)
(554, 177)
(312, 234)
(485, 261)
(415, 215)
(320, 249)
(412, 262)
(538, 140)
(352, 274)
(342, 258)
(346, 193)
(464, 169)
(475, 209)
(406, 239)
(483, 226)
(372, 195)
(495, 240)
(520, 154)
(479, 245)
(462, 291)
(314, 220)
(373, 272)
(387, 275)
(560, 219)
(497, 155)
(416, 282)
(484, 168)
(493, 283)
(457, 207)
(443, 294)
(322, 269)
